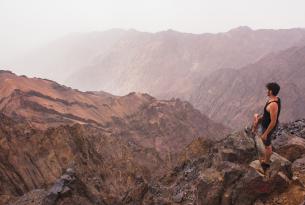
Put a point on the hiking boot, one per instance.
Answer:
(265, 166)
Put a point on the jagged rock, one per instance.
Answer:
(236, 147)
(136, 195)
(60, 188)
(197, 149)
(285, 164)
(298, 168)
(252, 185)
(231, 172)
(289, 146)
(66, 190)
(209, 187)
(293, 195)
(223, 177)
(296, 128)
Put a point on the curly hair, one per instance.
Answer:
(274, 87)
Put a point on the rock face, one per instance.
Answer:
(106, 167)
(66, 190)
(232, 96)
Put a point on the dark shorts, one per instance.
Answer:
(261, 130)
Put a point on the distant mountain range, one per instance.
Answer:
(171, 64)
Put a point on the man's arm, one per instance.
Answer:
(273, 109)
(259, 117)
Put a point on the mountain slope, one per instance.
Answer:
(166, 126)
(113, 142)
(107, 166)
(233, 96)
(111, 171)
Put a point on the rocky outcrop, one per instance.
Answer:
(289, 140)
(296, 128)
(66, 190)
(227, 173)
(61, 187)
(289, 146)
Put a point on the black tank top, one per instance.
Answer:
(266, 116)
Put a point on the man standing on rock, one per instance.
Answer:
(268, 122)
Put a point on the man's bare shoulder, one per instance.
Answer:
(272, 106)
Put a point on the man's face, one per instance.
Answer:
(269, 93)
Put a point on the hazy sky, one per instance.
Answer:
(26, 24)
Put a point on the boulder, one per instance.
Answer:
(209, 187)
(237, 147)
(289, 146)
(253, 185)
(298, 169)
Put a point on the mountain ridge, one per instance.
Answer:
(232, 96)
(171, 59)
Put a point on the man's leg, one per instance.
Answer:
(255, 122)
(268, 154)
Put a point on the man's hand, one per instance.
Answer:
(264, 137)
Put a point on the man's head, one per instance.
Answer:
(273, 88)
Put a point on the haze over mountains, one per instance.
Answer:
(172, 64)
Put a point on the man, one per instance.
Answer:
(268, 121)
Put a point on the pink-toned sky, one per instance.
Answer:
(26, 24)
